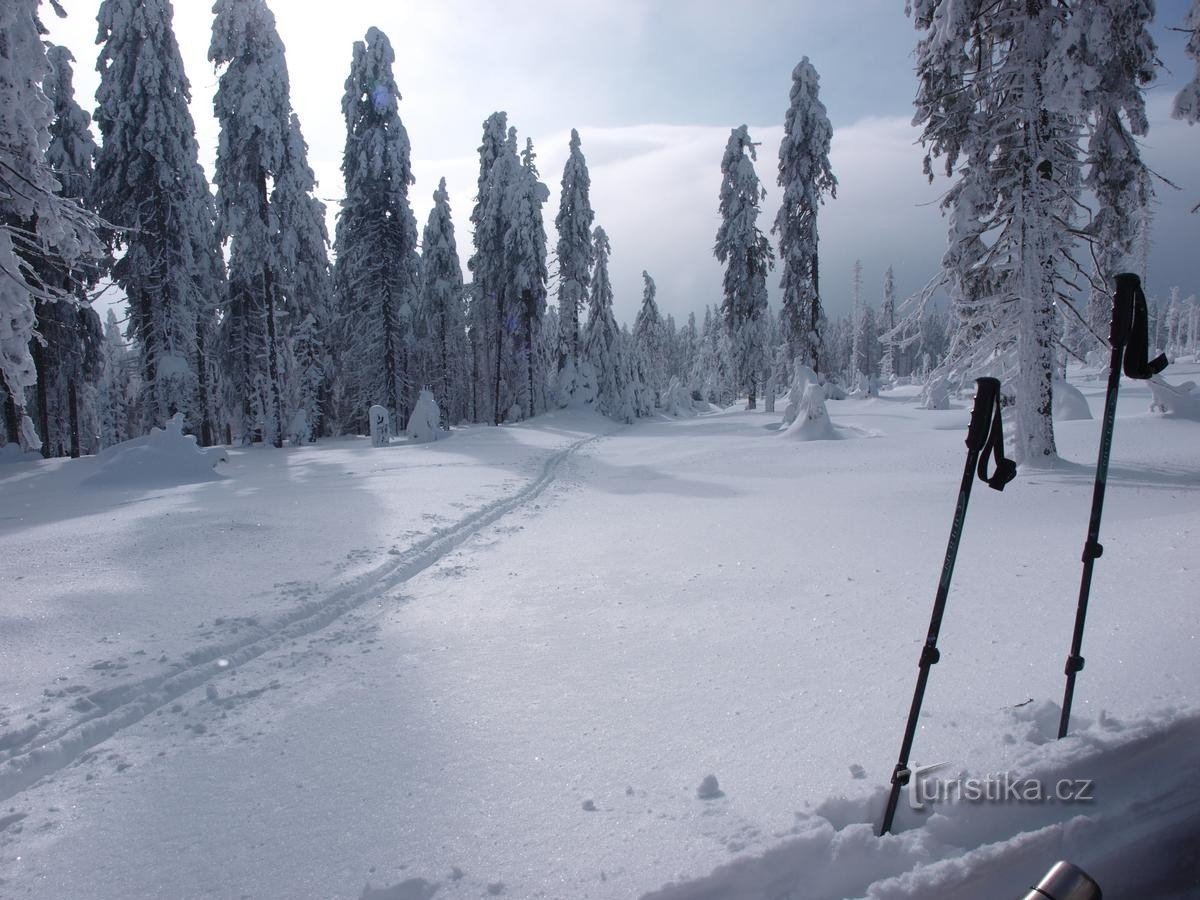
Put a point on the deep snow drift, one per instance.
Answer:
(506, 663)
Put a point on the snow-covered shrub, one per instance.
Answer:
(164, 457)
(424, 425)
(1069, 403)
(812, 422)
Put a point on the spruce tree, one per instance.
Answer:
(574, 226)
(442, 310)
(378, 269)
(650, 342)
(983, 97)
(497, 166)
(525, 271)
(253, 108)
(150, 187)
(603, 348)
(746, 254)
(115, 394)
(1187, 101)
(41, 230)
(806, 177)
(887, 326)
(66, 350)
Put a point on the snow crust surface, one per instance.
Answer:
(509, 662)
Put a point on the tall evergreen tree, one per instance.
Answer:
(983, 96)
(116, 392)
(305, 280)
(487, 326)
(378, 269)
(41, 230)
(525, 243)
(650, 342)
(858, 360)
(1099, 65)
(253, 108)
(806, 177)
(574, 226)
(442, 309)
(887, 326)
(746, 254)
(1187, 101)
(150, 186)
(66, 351)
(603, 348)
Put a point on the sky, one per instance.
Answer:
(654, 88)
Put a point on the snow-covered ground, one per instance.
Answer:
(504, 663)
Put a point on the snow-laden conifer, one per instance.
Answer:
(525, 273)
(1187, 101)
(574, 250)
(746, 254)
(983, 98)
(378, 271)
(805, 177)
(887, 327)
(1101, 61)
(115, 394)
(40, 229)
(442, 310)
(306, 284)
(149, 186)
(603, 348)
(650, 342)
(253, 108)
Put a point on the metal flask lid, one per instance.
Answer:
(1065, 882)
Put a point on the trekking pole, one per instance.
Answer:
(985, 435)
(1129, 338)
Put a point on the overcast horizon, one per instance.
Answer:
(654, 90)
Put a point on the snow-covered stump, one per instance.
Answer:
(1069, 403)
(812, 420)
(425, 423)
(936, 394)
(1180, 401)
(802, 377)
(380, 431)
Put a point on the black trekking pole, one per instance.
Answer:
(1130, 345)
(985, 435)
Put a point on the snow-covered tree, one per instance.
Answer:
(574, 250)
(887, 325)
(1100, 62)
(983, 97)
(253, 108)
(487, 322)
(306, 284)
(378, 270)
(603, 347)
(66, 350)
(116, 393)
(806, 177)
(859, 364)
(442, 310)
(746, 254)
(150, 187)
(525, 271)
(40, 228)
(1187, 101)
(650, 342)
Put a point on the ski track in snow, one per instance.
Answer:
(33, 754)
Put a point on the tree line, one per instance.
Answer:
(247, 319)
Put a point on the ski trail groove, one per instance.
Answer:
(126, 705)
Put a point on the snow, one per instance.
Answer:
(163, 458)
(1069, 403)
(425, 423)
(812, 418)
(347, 671)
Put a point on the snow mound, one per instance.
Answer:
(1178, 401)
(936, 394)
(995, 850)
(802, 377)
(1069, 403)
(812, 420)
(677, 400)
(164, 457)
(12, 452)
(425, 423)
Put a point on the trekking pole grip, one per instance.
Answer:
(987, 395)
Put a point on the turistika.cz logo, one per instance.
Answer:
(999, 788)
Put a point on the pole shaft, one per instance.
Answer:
(1092, 548)
(929, 651)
